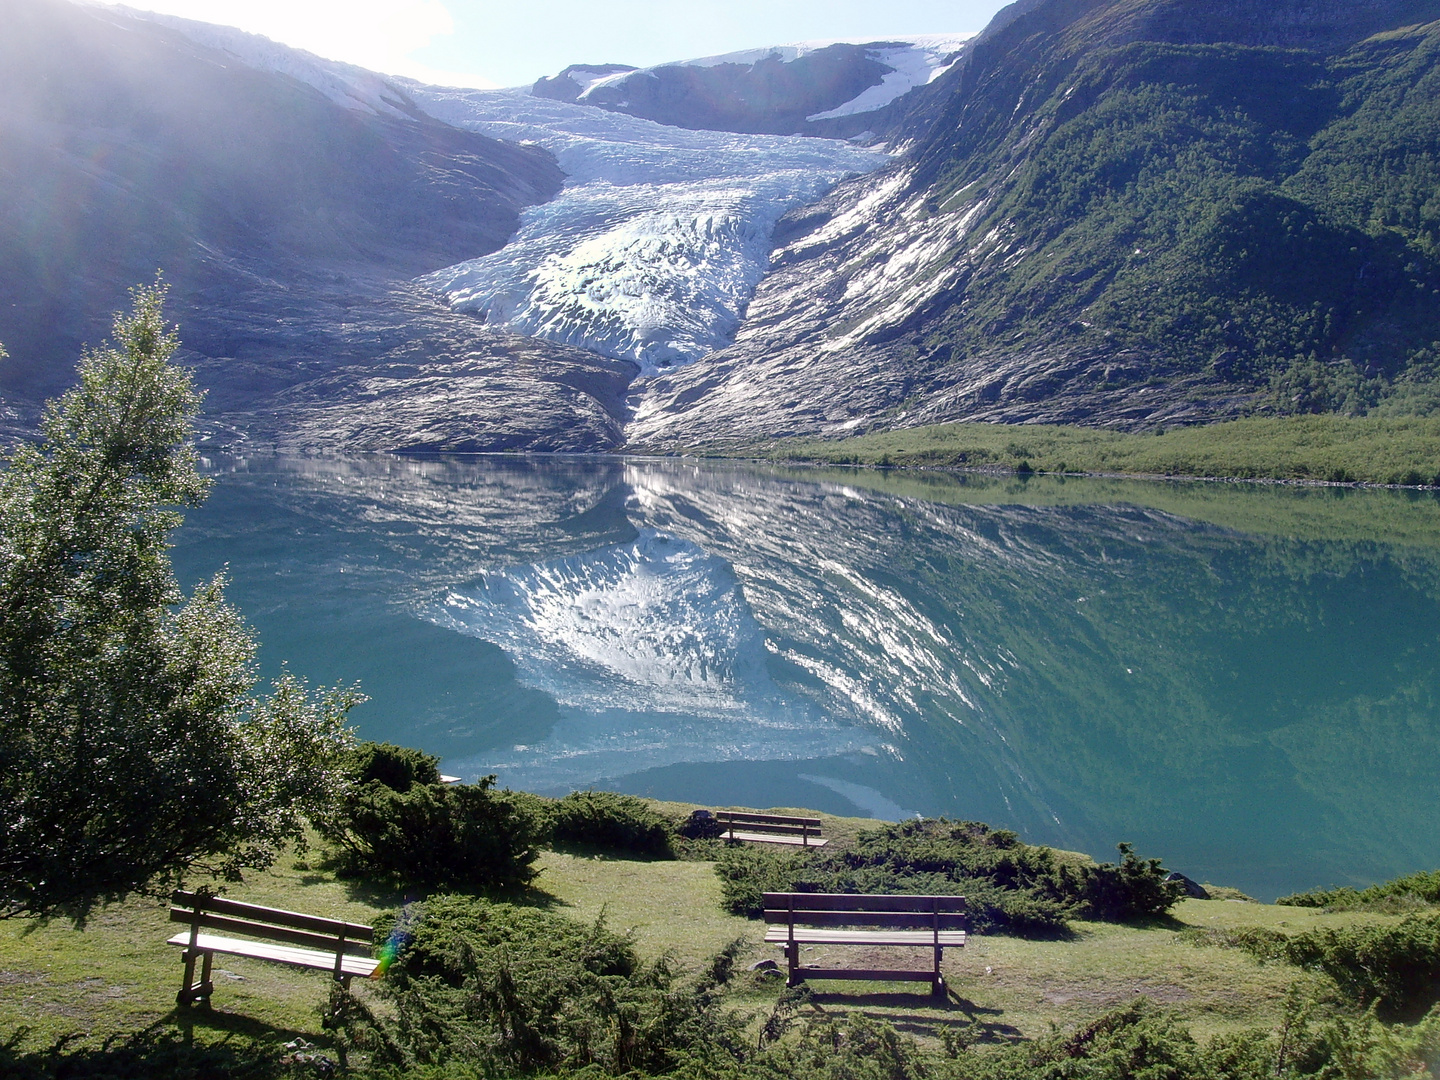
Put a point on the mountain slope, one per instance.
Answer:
(287, 224)
(1127, 212)
(834, 89)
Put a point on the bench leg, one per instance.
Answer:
(792, 960)
(937, 982)
(190, 990)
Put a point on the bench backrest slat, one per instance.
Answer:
(945, 920)
(206, 920)
(330, 929)
(807, 902)
(767, 819)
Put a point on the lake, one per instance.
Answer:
(1243, 680)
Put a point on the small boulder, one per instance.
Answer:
(1193, 889)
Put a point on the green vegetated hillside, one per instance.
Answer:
(1240, 193)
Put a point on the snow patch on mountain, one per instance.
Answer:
(652, 250)
(916, 62)
(913, 61)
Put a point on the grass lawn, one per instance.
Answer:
(117, 975)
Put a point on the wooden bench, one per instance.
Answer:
(285, 937)
(770, 828)
(798, 919)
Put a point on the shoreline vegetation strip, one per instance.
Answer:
(1320, 449)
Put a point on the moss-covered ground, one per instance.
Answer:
(116, 974)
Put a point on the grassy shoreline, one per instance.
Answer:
(1327, 449)
(117, 976)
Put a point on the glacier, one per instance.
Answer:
(916, 61)
(653, 248)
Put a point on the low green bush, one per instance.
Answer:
(1128, 891)
(1136, 1042)
(1010, 884)
(505, 990)
(397, 767)
(1394, 968)
(604, 819)
(1413, 890)
(432, 836)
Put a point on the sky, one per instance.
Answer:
(514, 42)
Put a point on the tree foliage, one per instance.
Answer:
(132, 746)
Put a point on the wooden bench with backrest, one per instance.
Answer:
(770, 828)
(797, 919)
(283, 937)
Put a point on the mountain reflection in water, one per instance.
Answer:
(1240, 680)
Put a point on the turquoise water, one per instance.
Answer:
(1240, 680)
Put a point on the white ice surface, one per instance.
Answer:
(913, 61)
(657, 241)
(916, 63)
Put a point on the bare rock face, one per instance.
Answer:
(402, 372)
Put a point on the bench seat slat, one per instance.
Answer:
(363, 966)
(805, 935)
(802, 902)
(777, 838)
(257, 929)
(947, 920)
(275, 916)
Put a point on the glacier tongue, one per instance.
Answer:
(654, 247)
(652, 250)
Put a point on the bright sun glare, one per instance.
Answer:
(378, 34)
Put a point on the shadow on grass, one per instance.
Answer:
(234, 1027)
(1155, 922)
(605, 853)
(924, 1014)
(388, 896)
(166, 1050)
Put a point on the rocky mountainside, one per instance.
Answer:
(833, 89)
(1126, 212)
(1115, 212)
(287, 222)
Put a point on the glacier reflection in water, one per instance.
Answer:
(1241, 680)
